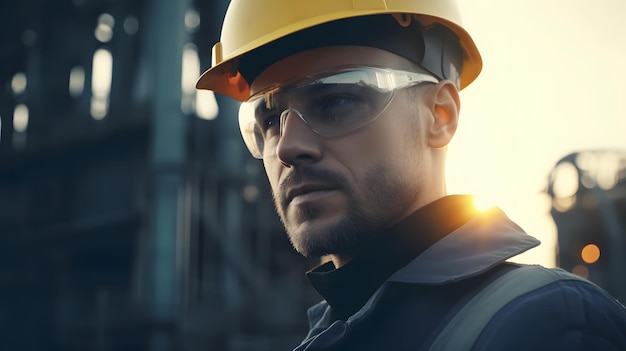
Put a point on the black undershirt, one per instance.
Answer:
(348, 288)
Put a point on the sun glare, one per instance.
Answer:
(482, 203)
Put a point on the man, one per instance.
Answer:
(351, 105)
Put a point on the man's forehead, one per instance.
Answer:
(320, 59)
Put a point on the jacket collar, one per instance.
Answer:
(486, 240)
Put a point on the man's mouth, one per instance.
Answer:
(307, 191)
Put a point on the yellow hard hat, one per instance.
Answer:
(252, 24)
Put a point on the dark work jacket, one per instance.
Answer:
(414, 304)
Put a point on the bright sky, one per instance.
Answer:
(553, 82)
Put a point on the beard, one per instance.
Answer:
(366, 214)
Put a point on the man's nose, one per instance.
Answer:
(298, 142)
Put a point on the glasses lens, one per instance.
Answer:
(329, 104)
(340, 103)
(250, 131)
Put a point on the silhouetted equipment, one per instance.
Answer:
(126, 221)
(588, 191)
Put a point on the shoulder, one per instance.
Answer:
(564, 313)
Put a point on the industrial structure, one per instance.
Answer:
(588, 191)
(131, 215)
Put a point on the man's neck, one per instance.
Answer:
(342, 259)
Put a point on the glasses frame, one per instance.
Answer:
(396, 80)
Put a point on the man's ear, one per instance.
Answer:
(445, 107)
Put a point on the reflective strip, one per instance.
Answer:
(463, 330)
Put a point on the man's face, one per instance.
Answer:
(334, 193)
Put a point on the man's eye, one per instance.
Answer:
(338, 108)
(337, 102)
(271, 123)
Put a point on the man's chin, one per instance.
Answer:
(310, 239)
(316, 238)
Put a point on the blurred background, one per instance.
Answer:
(133, 218)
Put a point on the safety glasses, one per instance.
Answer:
(331, 103)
